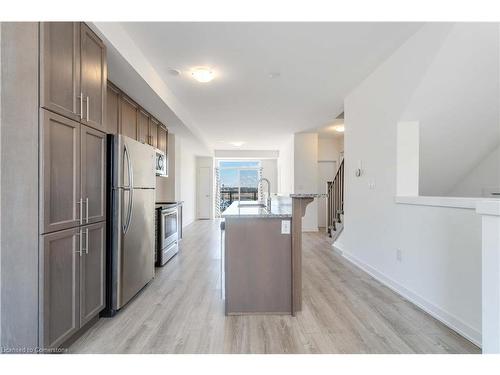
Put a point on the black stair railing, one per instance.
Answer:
(335, 200)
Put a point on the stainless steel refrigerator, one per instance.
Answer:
(131, 210)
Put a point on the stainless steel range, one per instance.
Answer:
(168, 224)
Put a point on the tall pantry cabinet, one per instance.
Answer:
(72, 216)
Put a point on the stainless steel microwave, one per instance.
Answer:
(161, 163)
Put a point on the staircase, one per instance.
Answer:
(335, 203)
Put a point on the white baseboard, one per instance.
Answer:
(444, 317)
(337, 248)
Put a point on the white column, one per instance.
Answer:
(490, 211)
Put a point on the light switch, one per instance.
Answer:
(285, 226)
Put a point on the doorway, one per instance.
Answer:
(237, 181)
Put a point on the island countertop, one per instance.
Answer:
(281, 207)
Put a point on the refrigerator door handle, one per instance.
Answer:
(129, 166)
(130, 189)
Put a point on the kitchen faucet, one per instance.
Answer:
(268, 201)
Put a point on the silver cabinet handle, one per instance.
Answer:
(81, 105)
(86, 240)
(87, 209)
(79, 234)
(88, 105)
(80, 203)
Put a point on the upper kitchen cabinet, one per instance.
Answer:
(60, 68)
(73, 72)
(112, 109)
(128, 117)
(143, 134)
(93, 77)
(153, 131)
(162, 139)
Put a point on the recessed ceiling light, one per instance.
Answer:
(203, 74)
(174, 72)
(237, 144)
(274, 75)
(339, 128)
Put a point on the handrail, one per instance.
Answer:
(335, 200)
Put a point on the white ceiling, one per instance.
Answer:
(319, 63)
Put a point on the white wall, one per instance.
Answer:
(187, 150)
(306, 175)
(246, 154)
(270, 171)
(455, 99)
(487, 172)
(329, 149)
(441, 246)
(286, 167)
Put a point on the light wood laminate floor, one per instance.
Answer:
(344, 311)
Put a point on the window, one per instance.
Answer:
(237, 181)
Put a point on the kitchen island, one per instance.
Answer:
(262, 254)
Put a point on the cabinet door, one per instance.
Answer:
(60, 68)
(93, 78)
(143, 127)
(93, 174)
(112, 109)
(153, 131)
(128, 117)
(60, 206)
(92, 271)
(162, 139)
(59, 286)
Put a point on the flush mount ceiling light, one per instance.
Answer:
(203, 74)
(339, 128)
(237, 144)
(174, 72)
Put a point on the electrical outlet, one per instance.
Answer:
(399, 255)
(285, 226)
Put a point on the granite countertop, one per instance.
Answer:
(307, 195)
(280, 207)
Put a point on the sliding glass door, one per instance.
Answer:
(237, 181)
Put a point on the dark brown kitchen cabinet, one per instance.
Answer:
(143, 135)
(153, 131)
(59, 286)
(93, 78)
(60, 194)
(73, 72)
(93, 174)
(60, 68)
(92, 271)
(128, 117)
(112, 109)
(162, 139)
